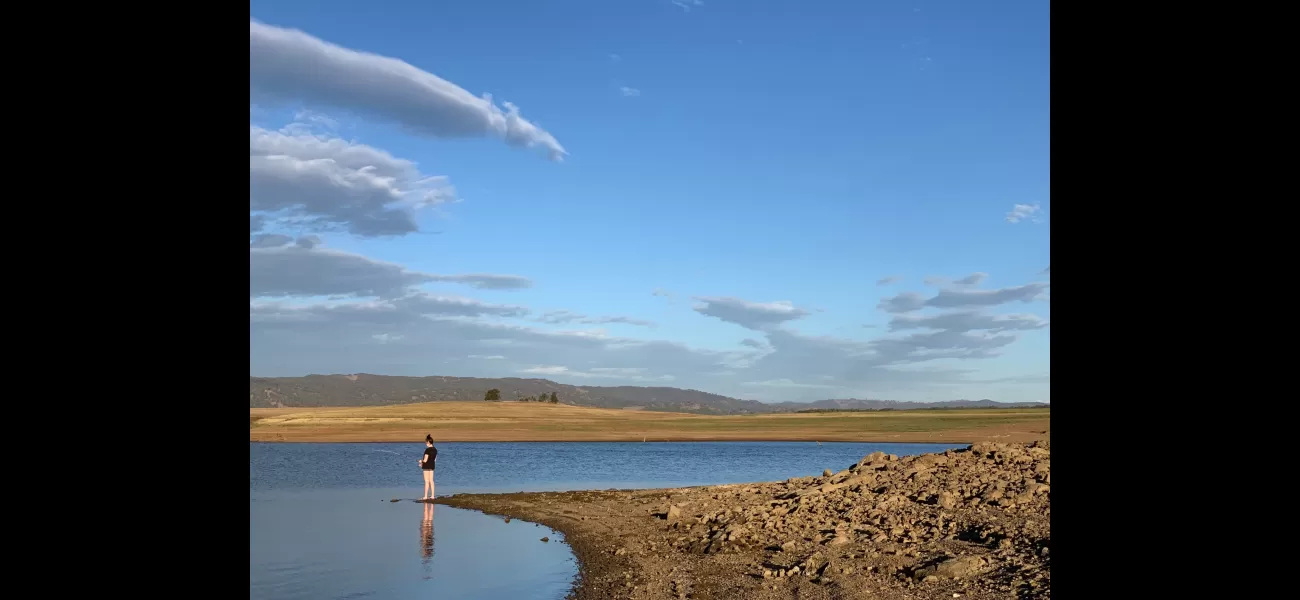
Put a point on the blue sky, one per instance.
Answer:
(702, 195)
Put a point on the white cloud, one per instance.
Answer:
(1021, 212)
(287, 64)
(920, 352)
(687, 4)
(308, 270)
(316, 338)
(629, 91)
(408, 309)
(546, 370)
(297, 271)
(323, 183)
(788, 383)
(618, 370)
(270, 240)
(967, 321)
(404, 329)
(486, 281)
(972, 279)
(309, 122)
(1022, 379)
(904, 302)
(630, 374)
(751, 315)
(556, 317)
(430, 304)
(963, 298)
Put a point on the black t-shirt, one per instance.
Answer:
(430, 455)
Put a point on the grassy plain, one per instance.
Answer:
(524, 421)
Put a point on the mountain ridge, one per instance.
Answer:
(363, 389)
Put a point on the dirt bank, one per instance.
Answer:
(972, 523)
(534, 422)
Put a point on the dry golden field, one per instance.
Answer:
(526, 421)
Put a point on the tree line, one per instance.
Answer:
(494, 395)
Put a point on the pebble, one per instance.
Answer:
(882, 522)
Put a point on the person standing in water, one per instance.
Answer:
(427, 464)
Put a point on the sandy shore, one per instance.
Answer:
(972, 523)
(534, 422)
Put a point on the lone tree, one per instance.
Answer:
(554, 399)
(492, 395)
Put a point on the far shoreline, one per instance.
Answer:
(326, 440)
(535, 423)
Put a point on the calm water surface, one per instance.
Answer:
(321, 524)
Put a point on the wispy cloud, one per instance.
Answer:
(1021, 212)
(270, 240)
(630, 373)
(287, 64)
(629, 91)
(969, 280)
(309, 122)
(305, 269)
(687, 4)
(779, 362)
(904, 302)
(972, 279)
(750, 315)
(486, 281)
(787, 383)
(322, 182)
(556, 317)
(889, 280)
(963, 298)
(1034, 378)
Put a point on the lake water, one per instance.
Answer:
(321, 524)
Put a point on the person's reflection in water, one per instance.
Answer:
(426, 540)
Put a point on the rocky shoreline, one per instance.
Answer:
(973, 523)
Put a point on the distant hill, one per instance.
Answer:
(371, 390)
(375, 390)
(852, 404)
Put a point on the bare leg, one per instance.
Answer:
(428, 485)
